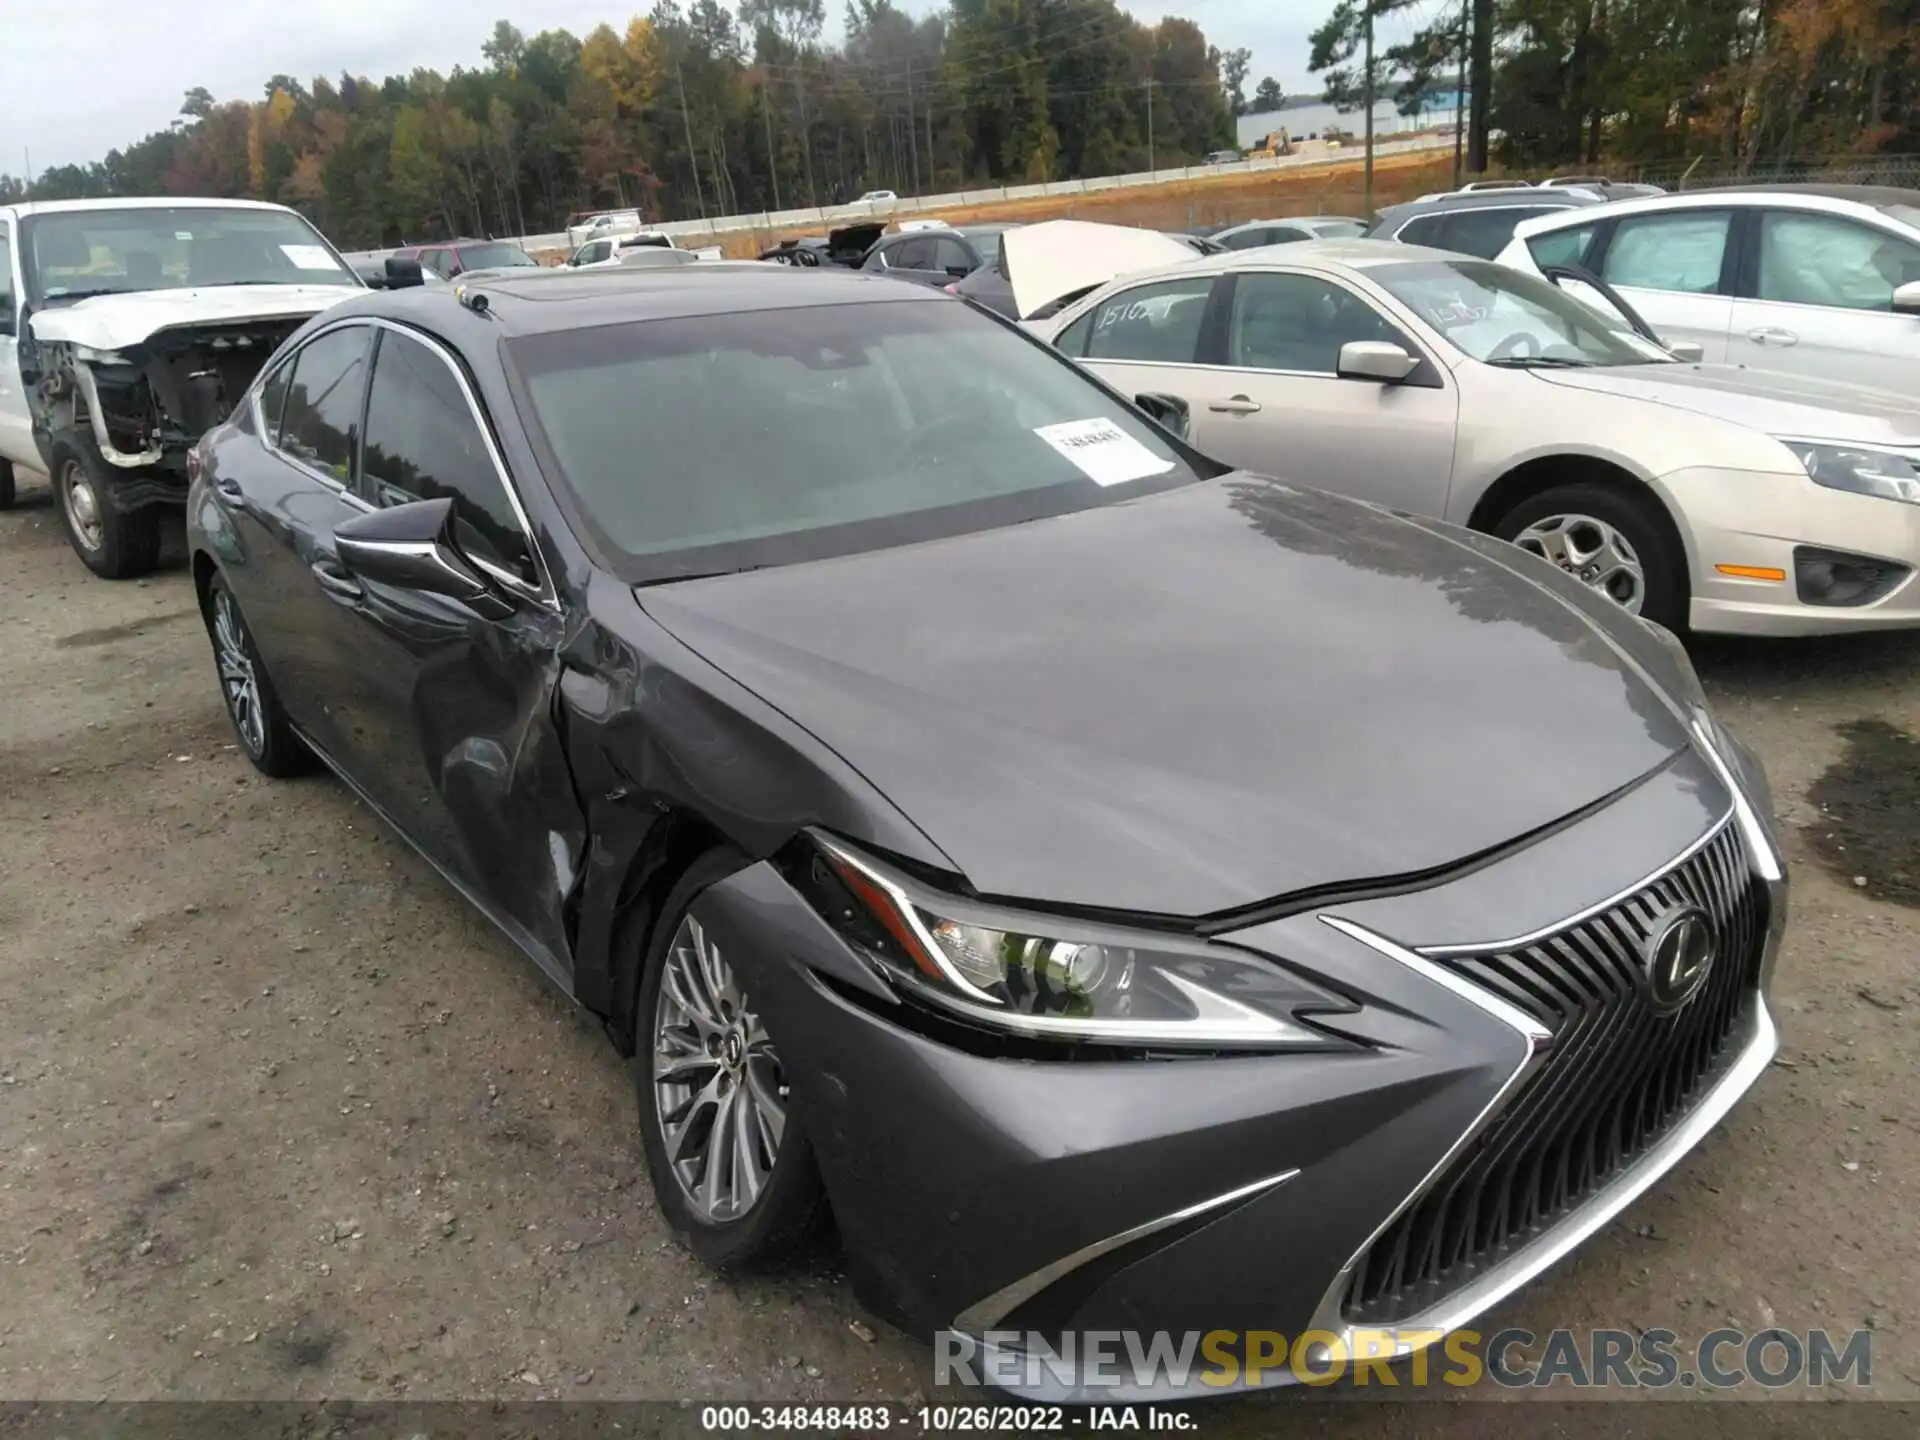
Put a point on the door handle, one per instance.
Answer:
(337, 584)
(1773, 335)
(227, 488)
(1238, 405)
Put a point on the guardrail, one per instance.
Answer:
(830, 215)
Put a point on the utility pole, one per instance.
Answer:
(928, 107)
(1480, 71)
(1366, 88)
(693, 156)
(1151, 167)
(773, 167)
(1460, 91)
(913, 138)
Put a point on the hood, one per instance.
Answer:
(1769, 401)
(1194, 701)
(113, 322)
(1058, 257)
(849, 243)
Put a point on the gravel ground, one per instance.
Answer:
(282, 1119)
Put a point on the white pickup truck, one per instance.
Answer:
(130, 327)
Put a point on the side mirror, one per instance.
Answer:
(411, 547)
(1374, 360)
(1906, 299)
(1691, 351)
(403, 271)
(958, 272)
(1169, 412)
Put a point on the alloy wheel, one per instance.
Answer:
(1593, 552)
(719, 1091)
(82, 505)
(238, 679)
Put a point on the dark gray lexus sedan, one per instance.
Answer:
(1122, 893)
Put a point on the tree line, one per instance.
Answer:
(697, 110)
(1570, 82)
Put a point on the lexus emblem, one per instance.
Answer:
(1679, 953)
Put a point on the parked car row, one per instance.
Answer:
(1122, 889)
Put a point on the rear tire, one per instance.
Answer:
(267, 737)
(778, 1209)
(115, 545)
(1620, 544)
(6, 485)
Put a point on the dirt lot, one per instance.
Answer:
(282, 1119)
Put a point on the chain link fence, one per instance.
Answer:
(1902, 171)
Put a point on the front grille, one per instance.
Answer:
(1615, 1078)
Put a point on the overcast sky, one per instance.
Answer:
(83, 77)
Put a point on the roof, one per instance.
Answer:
(142, 202)
(535, 302)
(1862, 197)
(1529, 195)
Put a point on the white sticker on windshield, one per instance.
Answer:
(1103, 452)
(183, 234)
(309, 257)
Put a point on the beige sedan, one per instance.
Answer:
(1694, 495)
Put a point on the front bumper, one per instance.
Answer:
(1755, 521)
(997, 1197)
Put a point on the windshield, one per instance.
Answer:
(728, 442)
(71, 254)
(493, 256)
(987, 242)
(1336, 229)
(1503, 317)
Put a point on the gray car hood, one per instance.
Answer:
(1764, 400)
(1195, 701)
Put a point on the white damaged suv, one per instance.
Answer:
(128, 328)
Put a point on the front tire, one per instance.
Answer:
(267, 737)
(730, 1165)
(1616, 543)
(115, 545)
(7, 494)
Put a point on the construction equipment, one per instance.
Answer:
(1274, 144)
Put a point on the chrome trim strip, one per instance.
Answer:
(983, 1315)
(1520, 942)
(1760, 849)
(1421, 963)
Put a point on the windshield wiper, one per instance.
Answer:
(66, 295)
(1540, 362)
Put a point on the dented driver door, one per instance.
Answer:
(444, 716)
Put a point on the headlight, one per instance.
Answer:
(1865, 472)
(1057, 978)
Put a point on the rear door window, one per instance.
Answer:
(1483, 234)
(915, 254)
(1677, 250)
(320, 425)
(1159, 323)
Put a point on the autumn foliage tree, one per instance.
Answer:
(694, 108)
